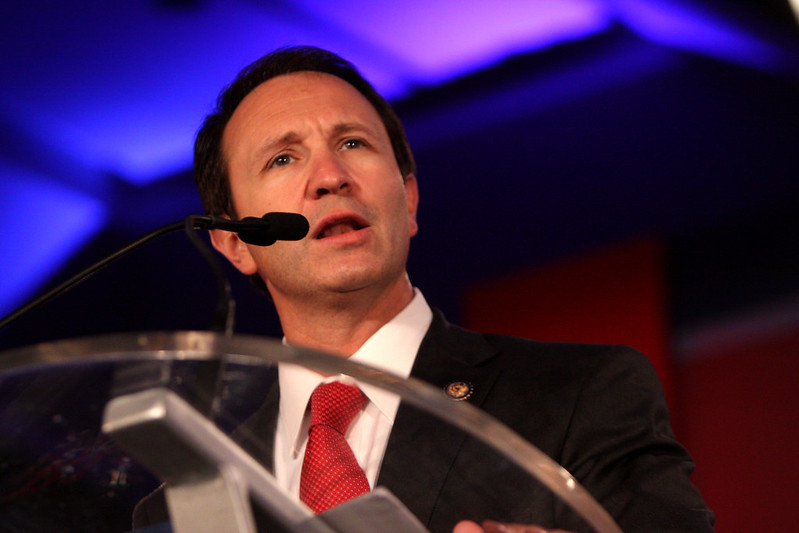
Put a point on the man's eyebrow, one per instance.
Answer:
(270, 144)
(347, 127)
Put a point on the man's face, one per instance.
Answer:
(310, 143)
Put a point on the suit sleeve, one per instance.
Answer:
(620, 446)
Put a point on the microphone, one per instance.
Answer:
(263, 231)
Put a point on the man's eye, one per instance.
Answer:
(349, 144)
(281, 160)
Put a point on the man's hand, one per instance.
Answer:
(489, 526)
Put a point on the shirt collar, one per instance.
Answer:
(392, 349)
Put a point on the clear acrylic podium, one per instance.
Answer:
(90, 426)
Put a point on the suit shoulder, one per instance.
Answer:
(490, 349)
(582, 355)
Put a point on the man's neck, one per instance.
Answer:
(341, 323)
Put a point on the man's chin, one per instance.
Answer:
(354, 283)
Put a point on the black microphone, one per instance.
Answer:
(263, 231)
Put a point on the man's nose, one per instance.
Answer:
(329, 176)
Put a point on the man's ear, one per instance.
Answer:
(236, 251)
(412, 200)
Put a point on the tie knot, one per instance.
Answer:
(335, 405)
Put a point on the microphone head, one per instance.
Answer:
(274, 227)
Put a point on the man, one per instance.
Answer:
(301, 131)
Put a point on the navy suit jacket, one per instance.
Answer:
(597, 410)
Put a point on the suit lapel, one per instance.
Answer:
(422, 448)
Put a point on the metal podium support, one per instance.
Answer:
(209, 479)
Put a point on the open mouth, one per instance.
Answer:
(339, 227)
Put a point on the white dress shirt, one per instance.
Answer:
(393, 349)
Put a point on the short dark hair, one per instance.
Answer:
(210, 167)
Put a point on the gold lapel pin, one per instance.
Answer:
(459, 390)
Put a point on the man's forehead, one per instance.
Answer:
(297, 87)
(299, 95)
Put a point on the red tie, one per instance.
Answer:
(330, 473)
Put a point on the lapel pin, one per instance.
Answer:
(459, 390)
